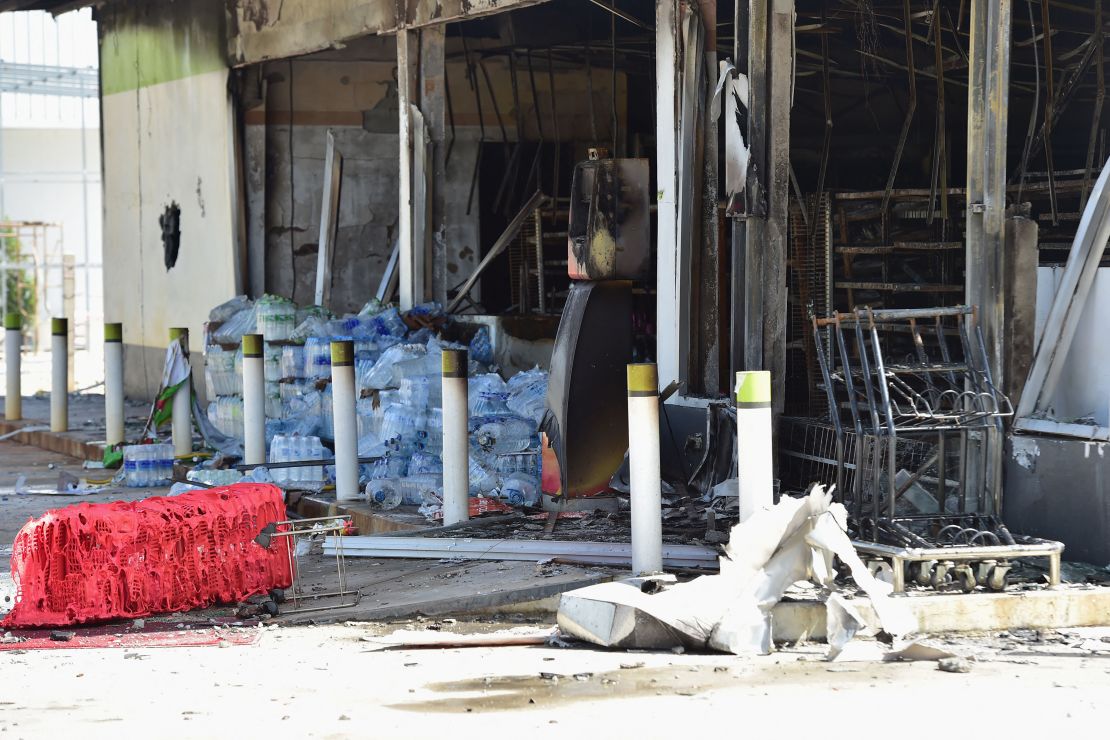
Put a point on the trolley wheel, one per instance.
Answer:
(941, 576)
(966, 577)
(996, 579)
(923, 572)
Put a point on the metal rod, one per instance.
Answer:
(618, 13)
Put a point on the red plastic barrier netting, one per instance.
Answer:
(130, 559)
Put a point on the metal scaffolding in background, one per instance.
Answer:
(39, 255)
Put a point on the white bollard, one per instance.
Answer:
(456, 441)
(13, 346)
(59, 386)
(753, 442)
(182, 422)
(644, 478)
(113, 384)
(346, 420)
(254, 401)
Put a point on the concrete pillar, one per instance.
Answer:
(670, 332)
(988, 107)
(408, 252)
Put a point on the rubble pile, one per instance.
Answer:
(399, 407)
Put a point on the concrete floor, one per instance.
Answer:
(328, 682)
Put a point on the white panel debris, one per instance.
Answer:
(796, 540)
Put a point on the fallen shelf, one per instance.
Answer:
(601, 553)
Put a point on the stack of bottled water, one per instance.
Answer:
(317, 357)
(399, 404)
(215, 477)
(292, 362)
(146, 466)
(226, 414)
(219, 370)
(290, 448)
(275, 318)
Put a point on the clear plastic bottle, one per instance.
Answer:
(521, 490)
(414, 488)
(130, 466)
(422, 463)
(482, 478)
(499, 434)
(383, 493)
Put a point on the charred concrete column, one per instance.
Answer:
(433, 105)
(408, 271)
(988, 107)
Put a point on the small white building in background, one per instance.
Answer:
(50, 159)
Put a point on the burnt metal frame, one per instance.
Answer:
(293, 529)
(952, 397)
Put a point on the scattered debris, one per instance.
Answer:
(954, 665)
(795, 540)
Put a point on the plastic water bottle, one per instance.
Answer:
(422, 463)
(521, 490)
(130, 467)
(415, 488)
(482, 478)
(383, 493)
(499, 434)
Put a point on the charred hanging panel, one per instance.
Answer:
(170, 223)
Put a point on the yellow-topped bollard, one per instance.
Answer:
(13, 348)
(456, 443)
(644, 478)
(59, 367)
(113, 384)
(755, 471)
(346, 420)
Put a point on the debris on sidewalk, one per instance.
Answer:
(795, 540)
